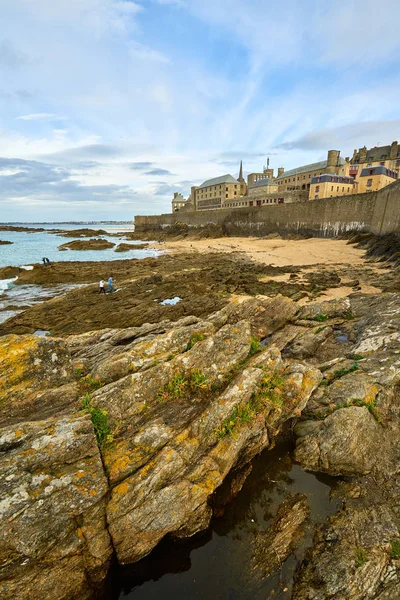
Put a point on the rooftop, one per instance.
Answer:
(218, 180)
(381, 170)
(261, 183)
(311, 167)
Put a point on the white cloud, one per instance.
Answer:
(40, 117)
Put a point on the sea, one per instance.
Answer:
(29, 248)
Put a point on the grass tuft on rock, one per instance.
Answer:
(361, 557)
(395, 552)
(100, 422)
(194, 339)
(255, 346)
(321, 317)
(183, 384)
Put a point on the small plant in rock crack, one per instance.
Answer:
(342, 372)
(194, 339)
(198, 380)
(99, 418)
(321, 317)
(395, 552)
(255, 346)
(361, 557)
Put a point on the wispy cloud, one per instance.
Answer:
(40, 117)
(158, 172)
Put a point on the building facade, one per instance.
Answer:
(298, 181)
(330, 186)
(216, 193)
(378, 156)
(261, 188)
(372, 179)
(178, 202)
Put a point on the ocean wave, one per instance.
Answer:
(5, 284)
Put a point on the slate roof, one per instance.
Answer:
(261, 183)
(376, 153)
(304, 169)
(218, 180)
(381, 170)
(332, 178)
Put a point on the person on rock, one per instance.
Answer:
(101, 287)
(110, 288)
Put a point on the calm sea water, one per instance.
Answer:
(29, 248)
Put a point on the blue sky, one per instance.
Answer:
(109, 106)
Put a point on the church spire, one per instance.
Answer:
(240, 178)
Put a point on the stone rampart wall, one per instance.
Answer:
(377, 212)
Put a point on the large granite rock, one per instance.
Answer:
(53, 536)
(347, 442)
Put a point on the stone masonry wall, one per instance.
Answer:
(377, 212)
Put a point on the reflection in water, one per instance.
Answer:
(216, 564)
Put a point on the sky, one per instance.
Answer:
(107, 107)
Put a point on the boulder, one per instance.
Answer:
(94, 244)
(347, 442)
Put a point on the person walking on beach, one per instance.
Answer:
(101, 287)
(110, 288)
(46, 261)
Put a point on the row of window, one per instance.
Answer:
(258, 202)
(337, 188)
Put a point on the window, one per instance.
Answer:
(317, 188)
(226, 195)
(369, 182)
(235, 192)
(332, 189)
(382, 163)
(371, 171)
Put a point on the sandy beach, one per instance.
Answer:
(276, 252)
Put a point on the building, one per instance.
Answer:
(267, 173)
(218, 192)
(261, 188)
(298, 181)
(372, 179)
(178, 202)
(378, 156)
(329, 186)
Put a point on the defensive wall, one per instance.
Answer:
(375, 212)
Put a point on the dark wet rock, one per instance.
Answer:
(351, 558)
(74, 233)
(123, 247)
(5, 242)
(93, 244)
(272, 547)
(306, 344)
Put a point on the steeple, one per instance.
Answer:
(240, 178)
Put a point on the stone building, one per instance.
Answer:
(378, 156)
(372, 179)
(178, 202)
(298, 180)
(261, 188)
(216, 193)
(330, 186)
(267, 173)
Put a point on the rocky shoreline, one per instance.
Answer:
(138, 421)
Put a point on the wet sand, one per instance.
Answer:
(276, 252)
